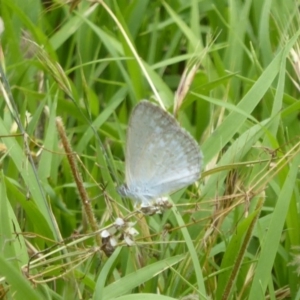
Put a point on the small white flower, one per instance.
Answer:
(113, 241)
(105, 234)
(132, 231)
(119, 222)
(128, 240)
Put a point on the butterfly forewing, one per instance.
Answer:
(161, 157)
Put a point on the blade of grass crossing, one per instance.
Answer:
(272, 238)
(234, 121)
(137, 278)
(11, 245)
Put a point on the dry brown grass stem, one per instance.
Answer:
(78, 179)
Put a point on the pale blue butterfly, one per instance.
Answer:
(161, 157)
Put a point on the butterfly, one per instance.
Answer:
(161, 157)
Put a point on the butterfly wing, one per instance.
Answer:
(161, 157)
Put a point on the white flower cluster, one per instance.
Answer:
(120, 231)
